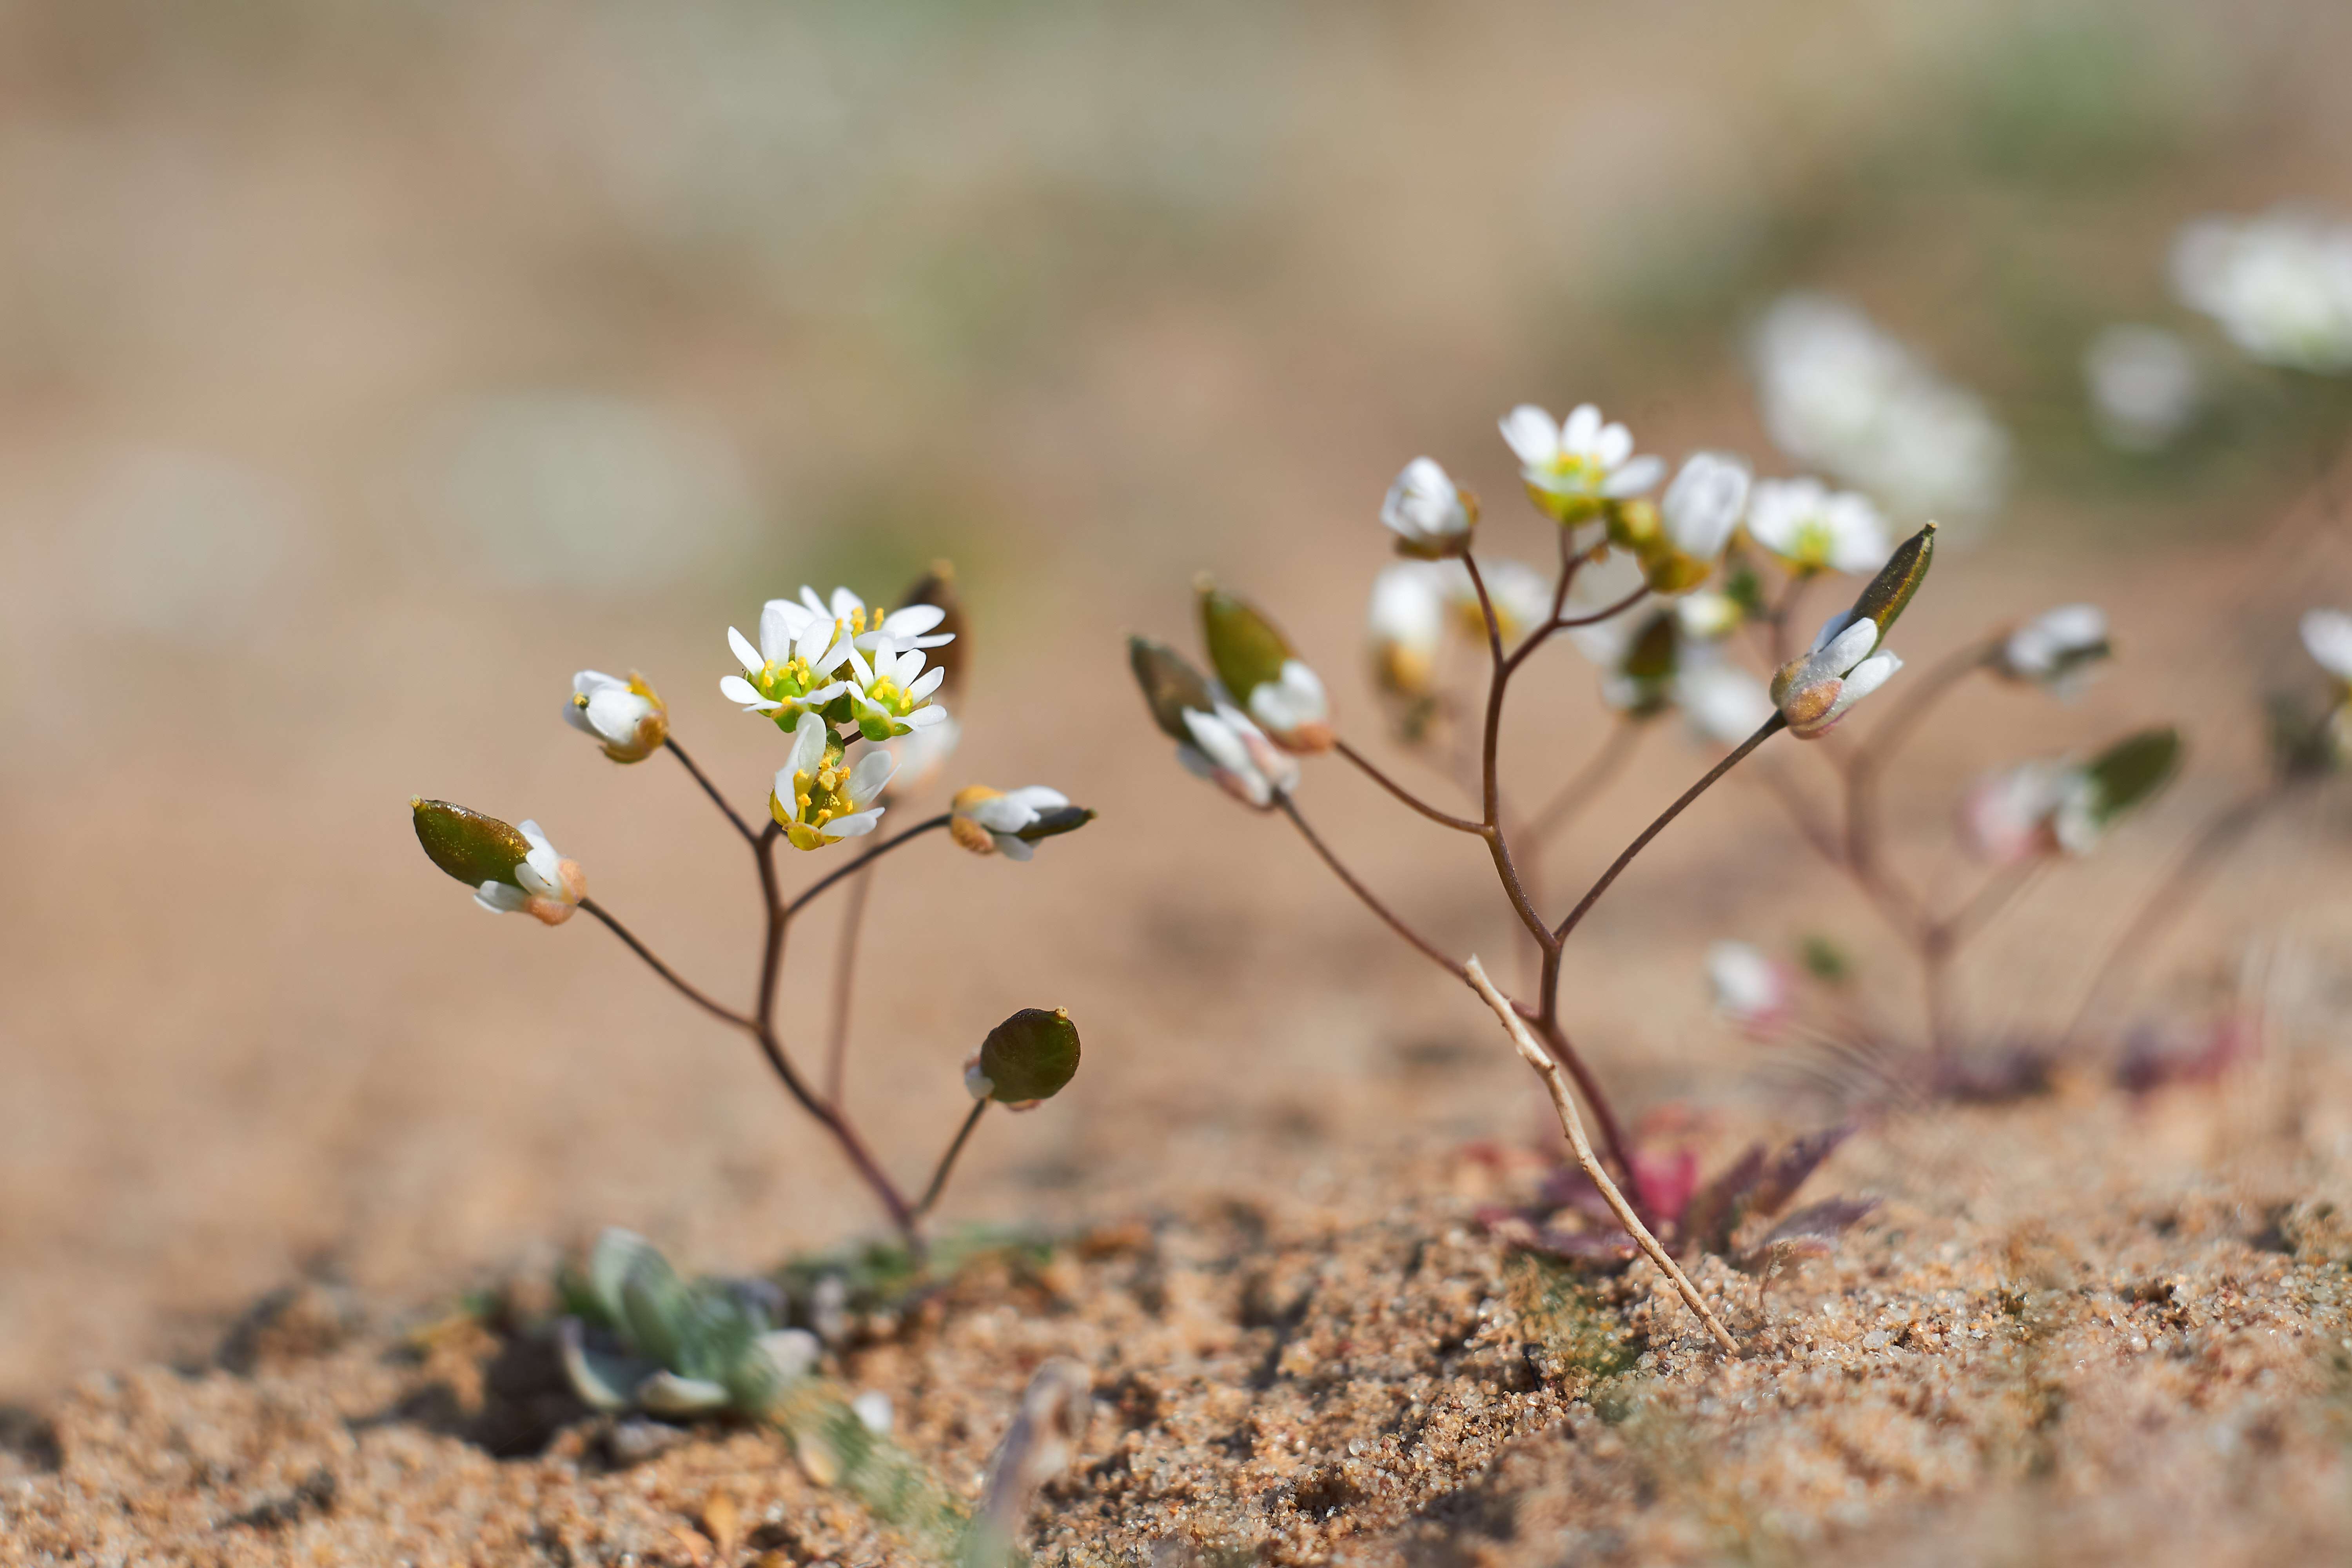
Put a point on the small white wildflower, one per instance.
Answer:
(1813, 528)
(1431, 515)
(1723, 703)
(2143, 385)
(2280, 286)
(808, 651)
(1702, 509)
(1580, 462)
(1709, 617)
(1406, 621)
(626, 716)
(1521, 596)
(1813, 691)
(819, 796)
(546, 886)
(2058, 648)
(1750, 990)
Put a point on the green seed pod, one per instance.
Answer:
(2131, 772)
(1891, 590)
(1030, 1056)
(470, 846)
(1170, 685)
(1244, 645)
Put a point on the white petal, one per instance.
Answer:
(926, 684)
(857, 824)
(501, 898)
(1038, 798)
(1002, 814)
(914, 620)
(808, 748)
(1531, 435)
(1634, 477)
(1581, 431)
(1013, 848)
(1613, 446)
(745, 654)
(1850, 647)
(846, 604)
(577, 717)
(735, 688)
(871, 775)
(2327, 635)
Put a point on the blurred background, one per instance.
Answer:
(368, 366)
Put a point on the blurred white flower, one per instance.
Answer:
(2327, 634)
(1599, 584)
(819, 797)
(1701, 508)
(920, 754)
(1709, 617)
(2280, 286)
(1839, 393)
(546, 886)
(2060, 649)
(1811, 528)
(626, 715)
(1011, 822)
(1814, 690)
(1723, 703)
(1521, 594)
(1582, 458)
(2144, 386)
(1431, 515)
(2007, 815)
(1750, 990)
(1233, 752)
(1407, 625)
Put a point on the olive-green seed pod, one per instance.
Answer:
(1246, 649)
(2131, 772)
(470, 846)
(1030, 1056)
(1170, 685)
(1884, 600)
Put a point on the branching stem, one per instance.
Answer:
(946, 1160)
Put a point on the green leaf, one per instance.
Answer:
(2130, 772)
(1030, 1056)
(1244, 645)
(602, 1382)
(616, 1252)
(1884, 600)
(667, 1393)
(470, 846)
(654, 1307)
(1170, 685)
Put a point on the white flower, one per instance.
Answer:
(1840, 394)
(988, 822)
(1814, 690)
(1709, 617)
(1750, 990)
(546, 886)
(1581, 458)
(2058, 649)
(1612, 580)
(1723, 703)
(1703, 507)
(1813, 528)
(1293, 707)
(2280, 286)
(819, 796)
(1407, 625)
(624, 715)
(2006, 816)
(2144, 386)
(2327, 634)
(803, 647)
(1233, 752)
(1429, 514)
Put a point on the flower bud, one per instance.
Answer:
(2056, 649)
(1697, 518)
(512, 870)
(1431, 515)
(991, 822)
(626, 715)
(1254, 661)
(1171, 686)
(1028, 1059)
(1407, 624)
(1813, 691)
(1750, 990)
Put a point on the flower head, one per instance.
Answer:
(1521, 597)
(1750, 990)
(1698, 516)
(1572, 468)
(2280, 286)
(1431, 515)
(511, 869)
(819, 796)
(1406, 623)
(2144, 385)
(1815, 528)
(992, 822)
(2008, 816)
(1814, 690)
(2327, 637)
(2060, 648)
(812, 657)
(626, 715)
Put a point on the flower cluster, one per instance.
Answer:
(2280, 286)
(847, 664)
(1841, 395)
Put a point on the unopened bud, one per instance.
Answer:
(1171, 686)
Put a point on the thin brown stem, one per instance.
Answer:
(1585, 785)
(1764, 732)
(1560, 623)
(1490, 749)
(845, 982)
(1613, 1145)
(2174, 895)
(1428, 949)
(863, 861)
(1459, 824)
(946, 1160)
(691, 994)
(711, 790)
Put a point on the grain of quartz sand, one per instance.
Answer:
(2085, 1329)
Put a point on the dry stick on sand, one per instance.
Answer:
(1572, 1123)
